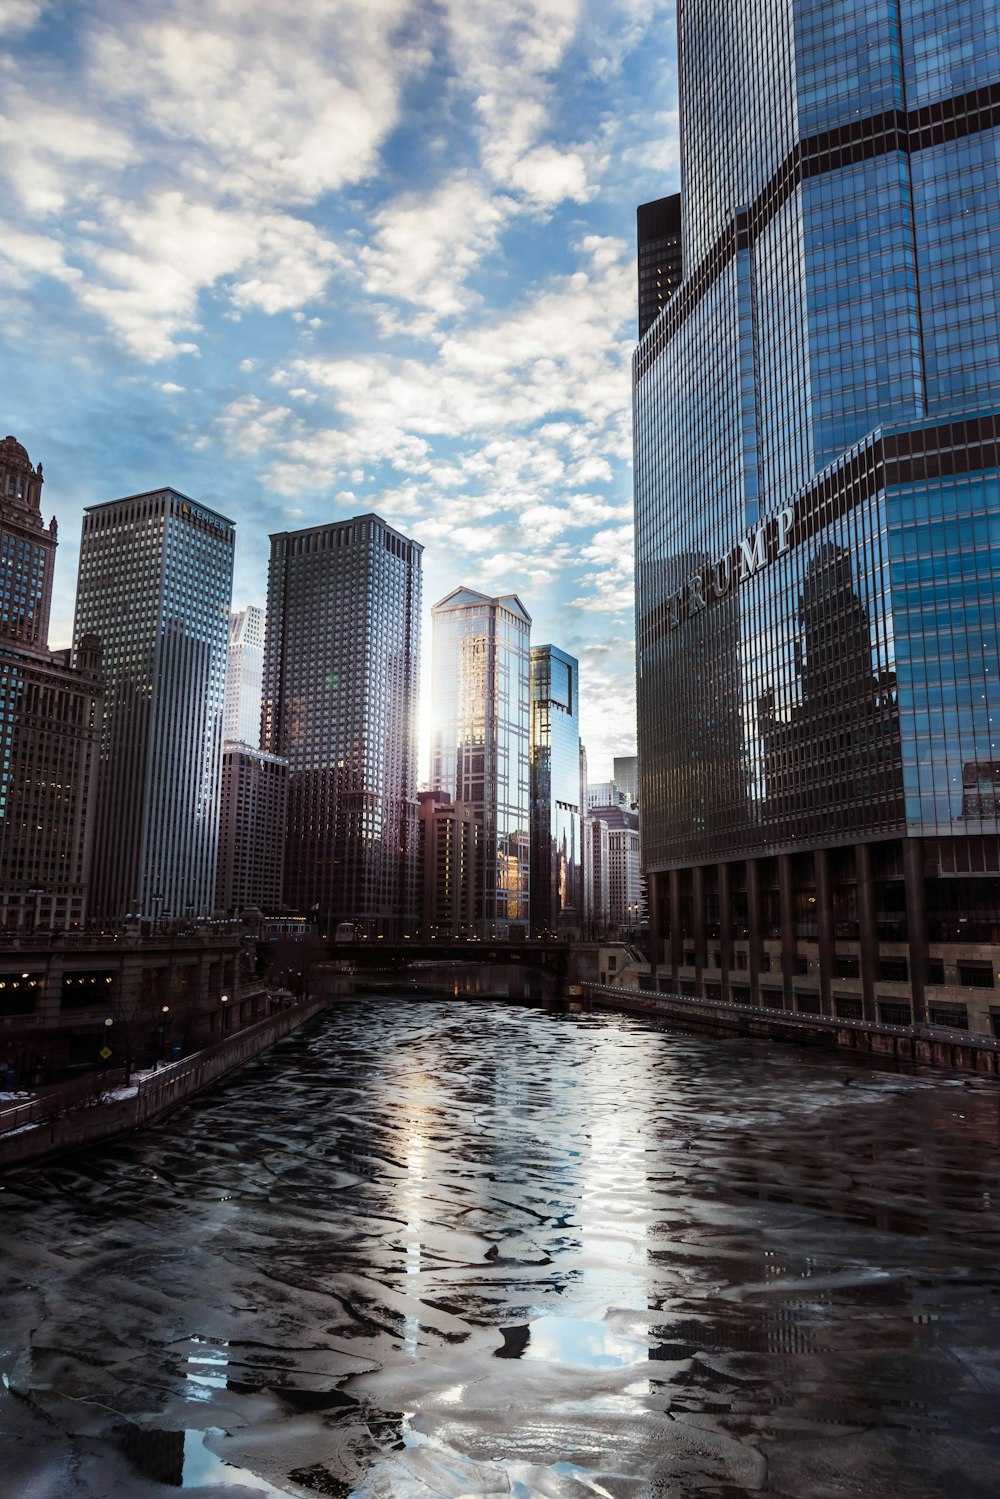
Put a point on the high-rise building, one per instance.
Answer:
(480, 742)
(449, 847)
(626, 775)
(660, 257)
(597, 878)
(817, 425)
(253, 811)
(50, 704)
(556, 835)
(626, 891)
(154, 588)
(244, 677)
(341, 666)
(607, 794)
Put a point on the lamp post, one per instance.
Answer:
(106, 1048)
(225, 1013)
(165, 1021)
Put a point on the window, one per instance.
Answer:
(954, 1016)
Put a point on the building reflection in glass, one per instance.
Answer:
(480, 742)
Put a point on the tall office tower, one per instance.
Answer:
(817, 421)
(480, 743)
(28, 550)
(254, 807)
(556, 845)
(626, 890)
(155, 581)
(597, 878)
(341, 667)
(626, 775)
(607, 794)
(244, 677)
(449, 846)
(660, 257)
(49, 712)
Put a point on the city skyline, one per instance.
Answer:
(428, 313)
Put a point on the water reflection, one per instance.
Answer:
(428, 1248)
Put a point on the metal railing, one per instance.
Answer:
(95, 1087)
(922, 1031)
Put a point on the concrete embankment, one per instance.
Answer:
(154, 1096)
(921, 1045)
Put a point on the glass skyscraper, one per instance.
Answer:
(556, 874)
(817, 416)
(341, 665)
(155, 583)
(480, 743)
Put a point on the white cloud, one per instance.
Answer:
(426, 243)
(18, 15)
(146, 286)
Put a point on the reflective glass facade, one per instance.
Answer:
(817, 509)
(480, 743)
(556, 876)
(341, 664)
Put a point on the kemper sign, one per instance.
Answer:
(757, 549)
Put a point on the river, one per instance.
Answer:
(427, 1248)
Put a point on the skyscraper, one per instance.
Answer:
(480, 742)
(556, 839)
(626, 775)
(341, 666)
(660, 257)
(244, 677)
(254, 808)
(50, 703)
(154, 587)
(817, 419)
(449, 842)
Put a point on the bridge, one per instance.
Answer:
(376, 954)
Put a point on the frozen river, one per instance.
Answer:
(459, 1249)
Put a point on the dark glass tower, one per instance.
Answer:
(341, 664)
(658, 241)
(817, 416)
(556, 850)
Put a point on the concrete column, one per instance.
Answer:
(698, 923)
(868, 930)
(725, 925)
(916, 924)
(824, 923)
(655, 923)
(786, 903)
(676, 940)
(753, 921)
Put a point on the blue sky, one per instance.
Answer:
(302, 260)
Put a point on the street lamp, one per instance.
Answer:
(106, 1048)
(225, 1012)
(165, 1012)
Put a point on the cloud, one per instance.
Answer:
(426, 243)
(18, 15)
(286, 102)
(169, 250)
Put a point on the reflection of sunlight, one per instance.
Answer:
(202, 1469)
(412, 1206)
(206, 1367)
(585, 1345)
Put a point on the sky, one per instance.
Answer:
(306, 260)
